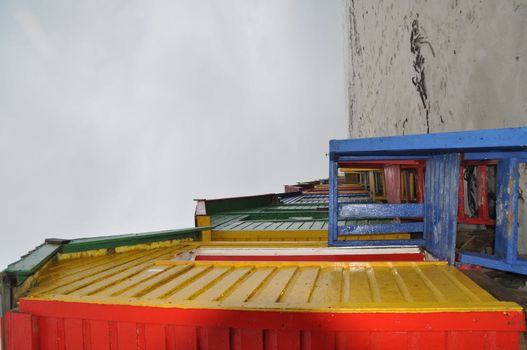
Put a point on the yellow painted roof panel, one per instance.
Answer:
(158, 277)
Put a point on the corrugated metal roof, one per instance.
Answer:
(295, 222)
(301, 217)
(324, 199)
(156, 277)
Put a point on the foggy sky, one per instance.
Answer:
(114, 115)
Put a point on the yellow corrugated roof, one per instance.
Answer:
(155, 277)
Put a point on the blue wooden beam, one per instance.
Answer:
(380, 242)
(520, 266)
(512, 139)
(363, 158)
(357, 211)
(368, 229)
(441, 190)
(333, 201)
(506, 241)
(494, 155)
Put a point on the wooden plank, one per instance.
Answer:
(366, 229)
(442, 185)
(475, 141)
(357, 211)
(506, 243)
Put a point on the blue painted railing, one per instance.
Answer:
(359, 211)
(369, 229)
(442, 153)
(381, 211)
(505, 255)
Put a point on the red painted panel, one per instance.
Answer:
(61, 334)
(141, 337)
(48, 333)
(397, 340)
(212, 338)
(188, 318)
(21, 332)
(99, 334)
(113, 336)
(420, 182)
(185, 338)
(466, 340)
(349, 340)
(287, 339)
(269, 339)
(507, 340)
(392, 173)
(246, 338)
(476, 221)
(155, 337)
(433, 340)
(170, 337)
(361, 257)
(126, 335)
(317, 340)
(73, 334)
(137, 327)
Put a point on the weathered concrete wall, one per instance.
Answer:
(420, 66)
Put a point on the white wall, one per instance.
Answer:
(475, 65)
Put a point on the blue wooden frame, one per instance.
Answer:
(511, 139)
(505, 255)
(359, 211)
(442, 153)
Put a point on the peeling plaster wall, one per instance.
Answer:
(465, 67)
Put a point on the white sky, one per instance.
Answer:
(114, 114)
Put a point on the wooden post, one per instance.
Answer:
(204, 220)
